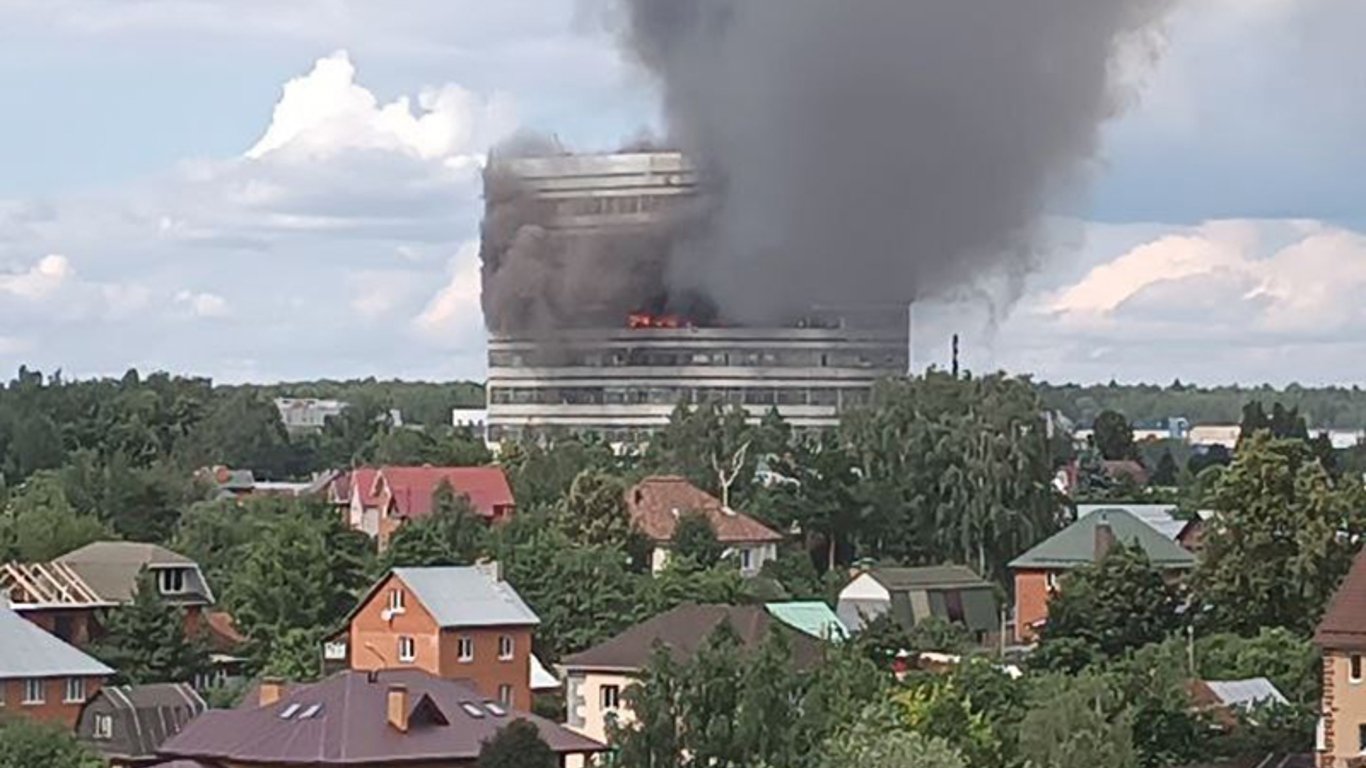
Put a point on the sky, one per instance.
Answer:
(264, 191)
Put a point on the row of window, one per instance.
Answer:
(464, 649)
(35, 691)
(667, 358)
(601, 206)
(612, 435)
(847, 397)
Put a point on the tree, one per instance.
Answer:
(1113, 436)
(877, 741)
(594, 512)
(1167, 471)
(653, 738)
(694, 540)
(707, 444)
(296, 655)
(1281, 539)
(27, 744)
(517, 745)
(40, 524)
(1068, 727)
(146, 641)
(453, 534)
(1115, 605)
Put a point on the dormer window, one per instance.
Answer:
(396, 601)
(171, 581)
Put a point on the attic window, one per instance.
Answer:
(104, 726)
(472, 710)
(311, 712)
(495, 709)
(171, 581)
(289, 711)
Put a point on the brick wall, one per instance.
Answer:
(54, 708)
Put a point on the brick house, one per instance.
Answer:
(454, 622)
(656, 504)
(41, 676)
(378, 501)
(385, 719)
(1038, 572)
(1341, 636)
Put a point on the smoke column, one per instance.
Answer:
(876, 151)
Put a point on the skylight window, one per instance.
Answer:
(472, 710)
(495, 709)
(289, 711)
(311, 712)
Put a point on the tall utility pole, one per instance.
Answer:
(955, 355)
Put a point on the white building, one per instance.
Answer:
(307, 414)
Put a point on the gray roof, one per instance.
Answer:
(26, 650)
(145, 716)
(928, 577)
(111, 568)
(467, 597)
(1246, 693)
(1075, 545)
(1161, 517)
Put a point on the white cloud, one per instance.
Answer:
(39, 281)
(454, 314)
(325, 112)
(203, 304)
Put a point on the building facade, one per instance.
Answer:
(620, 379)
(1341, 637)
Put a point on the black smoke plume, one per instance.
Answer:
(858, 152)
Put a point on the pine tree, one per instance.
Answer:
(146, 640)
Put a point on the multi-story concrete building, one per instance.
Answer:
(622, 379)
(307, 414)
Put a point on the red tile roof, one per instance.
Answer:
(343, 721)
(1343, 627)
(656, 503)
(411, 488)
(360, 480)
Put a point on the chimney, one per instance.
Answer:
(1105, 537)
(491, 569)
(398, 707)
(272, 688)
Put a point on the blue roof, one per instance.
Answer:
(26, 650)
(467, 596)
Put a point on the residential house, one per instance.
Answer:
(1341, 637)
(230, 483)
(951, 593)
(379, 501)
(41, 676)
(307, 414)
(128, 724)
(810, 617)
(657, 503)
(69, 596)
(1039, 571)
(596, 678)
(383, 719)
(455, 622)
(1227, 700)
(1162, 518)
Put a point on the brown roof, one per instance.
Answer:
(656, 503)
(343, 721)
(411, 488)
(1344, 623)
(224, 636)
(684, 629)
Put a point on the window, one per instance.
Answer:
(465, 648)
(609, 696)
(505, 694)
(396, 600)
(171, 580)
(1361, 737)
(1051, 581)
(1354, 674)
(407, 649)
(505, 646)
(746, 559)
(33, 692)
(104, 726)
(75, 690)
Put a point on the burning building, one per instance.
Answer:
(591, 333)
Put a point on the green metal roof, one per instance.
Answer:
(1076, 544)
(813, 618)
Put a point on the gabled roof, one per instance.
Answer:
(1245, 693)
(38, 586)
(1075, 545)
(151, 714)
(462, 596)
(412, 488)
(1343, 627)
(358, 481)
(111, 568)
(928, 577)
(683, 631)
(343, 721)
(1161, 517)
(656, 503)
(26, 650)
(813, 618)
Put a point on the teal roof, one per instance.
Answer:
(1076, 544)
(813, 618)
